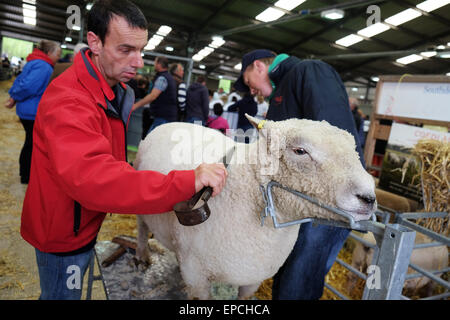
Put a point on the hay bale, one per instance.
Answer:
(434, 179)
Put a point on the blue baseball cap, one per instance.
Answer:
(247, 60)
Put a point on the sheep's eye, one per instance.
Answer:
(300, 151)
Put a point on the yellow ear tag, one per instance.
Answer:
(261, 124)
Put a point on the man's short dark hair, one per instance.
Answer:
(163, 61)
(201, 79)
(103, 10)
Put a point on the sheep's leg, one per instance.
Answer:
(247, 291)
(197, 284)
(142, 251)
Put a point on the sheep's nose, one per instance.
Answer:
(366, 198)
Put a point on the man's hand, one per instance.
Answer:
(213, 175)
(10, 103)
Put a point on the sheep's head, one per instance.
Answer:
(319, 160)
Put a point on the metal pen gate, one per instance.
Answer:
(392, 254)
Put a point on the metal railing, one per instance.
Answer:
(394, 290)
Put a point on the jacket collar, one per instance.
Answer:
(92, 79)
(278, 70)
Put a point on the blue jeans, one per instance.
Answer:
(61, 278)
(157, 122)
(302, 276)
(195, 120)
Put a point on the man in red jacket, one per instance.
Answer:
(79, 153)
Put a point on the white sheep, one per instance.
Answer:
(432, 258)
(231, 246)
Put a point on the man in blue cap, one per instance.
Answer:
(304, 89)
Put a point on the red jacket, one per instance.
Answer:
(79, 157)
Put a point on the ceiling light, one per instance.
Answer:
(76, 28)
(349, 40)
(157, 37)
(30, 1)
(440, 47)
(431, 5)
(155, 40)
(373, 29)
(428, 54)
(169, 48)
(63, 46)
(197, 57)
(354, 89)
(270, 14)
(204, 52)
(149, 46)
(217, 43)
(409, 59)
(164, 30)
(288, 4)
(30, 21)
(445, 55)
(202, 66)
(29, 10)
(402, 17)
(448, 74)
(375, 79)
(68, 39)
(89, 6)
(333, 14)
(238, 66)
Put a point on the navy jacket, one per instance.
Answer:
(311, 89)
(197, 102)
(246, 105)
(166, 105)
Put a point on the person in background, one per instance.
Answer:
(60, 67)
(26, 93)
(263, 106)
(21, 65)
(296, 89)
(246, 105)
(5, 61)
(358, 116)
(216, 121)
(163, 97)
(177, 72)
(142, 86)
(79, 168)
(197, 102)
(233, 97)
(68, 57)
(219, 94)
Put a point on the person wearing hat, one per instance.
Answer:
(304, 89)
